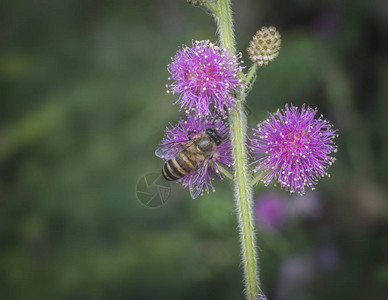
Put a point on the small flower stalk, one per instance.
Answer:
(292, 147)
(264, 46)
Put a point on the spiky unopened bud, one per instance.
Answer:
(264, 46)
(195, 2)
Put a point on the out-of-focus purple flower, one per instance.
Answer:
(307, 205)
(293, 148)
(201, 177)
(295, 273)
(326, 24)
(205, 75)
(271, 210)
(327, 258)
(298, 272)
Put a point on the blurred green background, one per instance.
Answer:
(83, 107)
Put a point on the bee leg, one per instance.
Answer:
(189, 133)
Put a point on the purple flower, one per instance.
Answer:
(204, 76)
(293, 148)
(271, 210)
(295, 274)
(200, 178)
(307, 206)
(328, 258)
(327, 24)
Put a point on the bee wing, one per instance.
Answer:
(195, 191)
(168, 151)
(161, 151)
(196, 186)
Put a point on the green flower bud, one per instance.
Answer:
(264, 46)
(195, 2)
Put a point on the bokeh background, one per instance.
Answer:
(83, 107)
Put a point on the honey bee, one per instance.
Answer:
(194, 154)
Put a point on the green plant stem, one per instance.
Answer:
(258, 177)
(225, 172)
(251, 76)
(212, 7)
(243, 190)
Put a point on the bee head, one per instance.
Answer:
(214, 135)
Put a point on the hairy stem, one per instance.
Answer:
(250, 77)
(251, 73)
(212, 7)
(242, 186)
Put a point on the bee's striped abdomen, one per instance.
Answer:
(186, 161)
(168, 173)
(178, 166)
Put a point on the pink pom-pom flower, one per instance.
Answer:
(176, 137)
(205, 76)
(293, 148)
